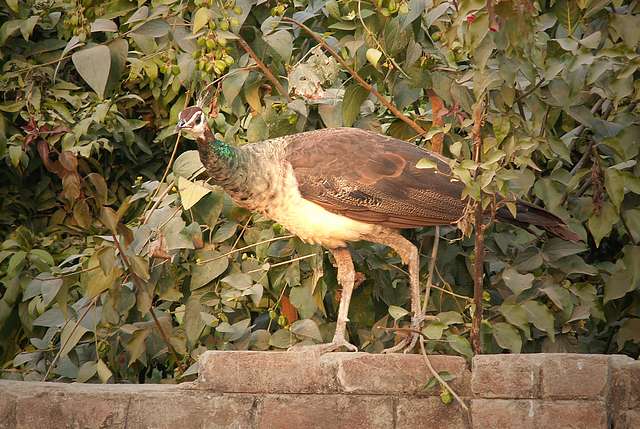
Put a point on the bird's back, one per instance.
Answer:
(373, 178)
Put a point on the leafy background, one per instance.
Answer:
(112, 239)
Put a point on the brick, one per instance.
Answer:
(393, 374)
(264, 372)
(418, 412)
(197, 409)
(571, 414)
(625, 383)
(333, 411)
(629, 419)
(7, 409)
(506, 376)
(538, 414)
(572, 376)
(503, 413)
(70, 408)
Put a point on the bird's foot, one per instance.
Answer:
(408, 343)
(334, 345)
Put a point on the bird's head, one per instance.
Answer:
(193, 122)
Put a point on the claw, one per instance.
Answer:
(408, 343)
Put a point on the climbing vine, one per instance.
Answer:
(119, 261)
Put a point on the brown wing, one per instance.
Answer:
(373, 178)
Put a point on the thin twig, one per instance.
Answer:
(478, 113)
(62, 346)
(283, 237)
(265, 70)
(139, 285)
(363, 83)
(437, 376)
(290, 261)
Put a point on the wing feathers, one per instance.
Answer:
(373, 178)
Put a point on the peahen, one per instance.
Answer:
(338, 185)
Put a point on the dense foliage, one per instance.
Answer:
(101, 246)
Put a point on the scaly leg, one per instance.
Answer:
(346, 277)
(409, 255)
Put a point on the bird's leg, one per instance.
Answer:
(409, 255)
(346, 278)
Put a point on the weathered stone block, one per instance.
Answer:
(7, 410)
(573, 376)
(506, 376)
(419, 412)
(54, 405)
(503, 413)
(393, 374)
(570, 414)
(194, 409)
(625, 383)
(264, 372)
(333, 411)
(538, 414)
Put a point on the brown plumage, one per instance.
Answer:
(334, 186)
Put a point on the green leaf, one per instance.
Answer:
(373, 56)
(71, 334)
(517, 316)
(541, 317)
(93, 65)
(282, 339)
(627, 27)
(86, 371)
(629, 331)
(232, 85)
(306, 328)
(614, 183)
(397, 312)
(193, 324)
(557, 248)
(450, 318)
(136, 345)
(507, 337)
(460, 345)
(354, 96)
(200, 19)
(517, 282)
(101, 24)
(96, 281)
(426, 163)
(15, 154)
(240, 281)
(434, 330)
(140, 266)
(104, 373)
(188, 164)
(211, 265)
(190, 192)
(600, 224)
(282, 42)
(109, 218)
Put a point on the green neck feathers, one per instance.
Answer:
(221, 149)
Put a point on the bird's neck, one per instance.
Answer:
(220, 159)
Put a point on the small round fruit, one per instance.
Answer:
(175, 70)
(228, 59)
(237, 10)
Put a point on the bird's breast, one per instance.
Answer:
(309, 221)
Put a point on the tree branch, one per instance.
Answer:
(478, 113)
(363, 83)
(265, 70)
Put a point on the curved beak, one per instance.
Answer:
(181, 123)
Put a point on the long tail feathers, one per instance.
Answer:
(528, 214)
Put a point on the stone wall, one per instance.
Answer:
(346, 390)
